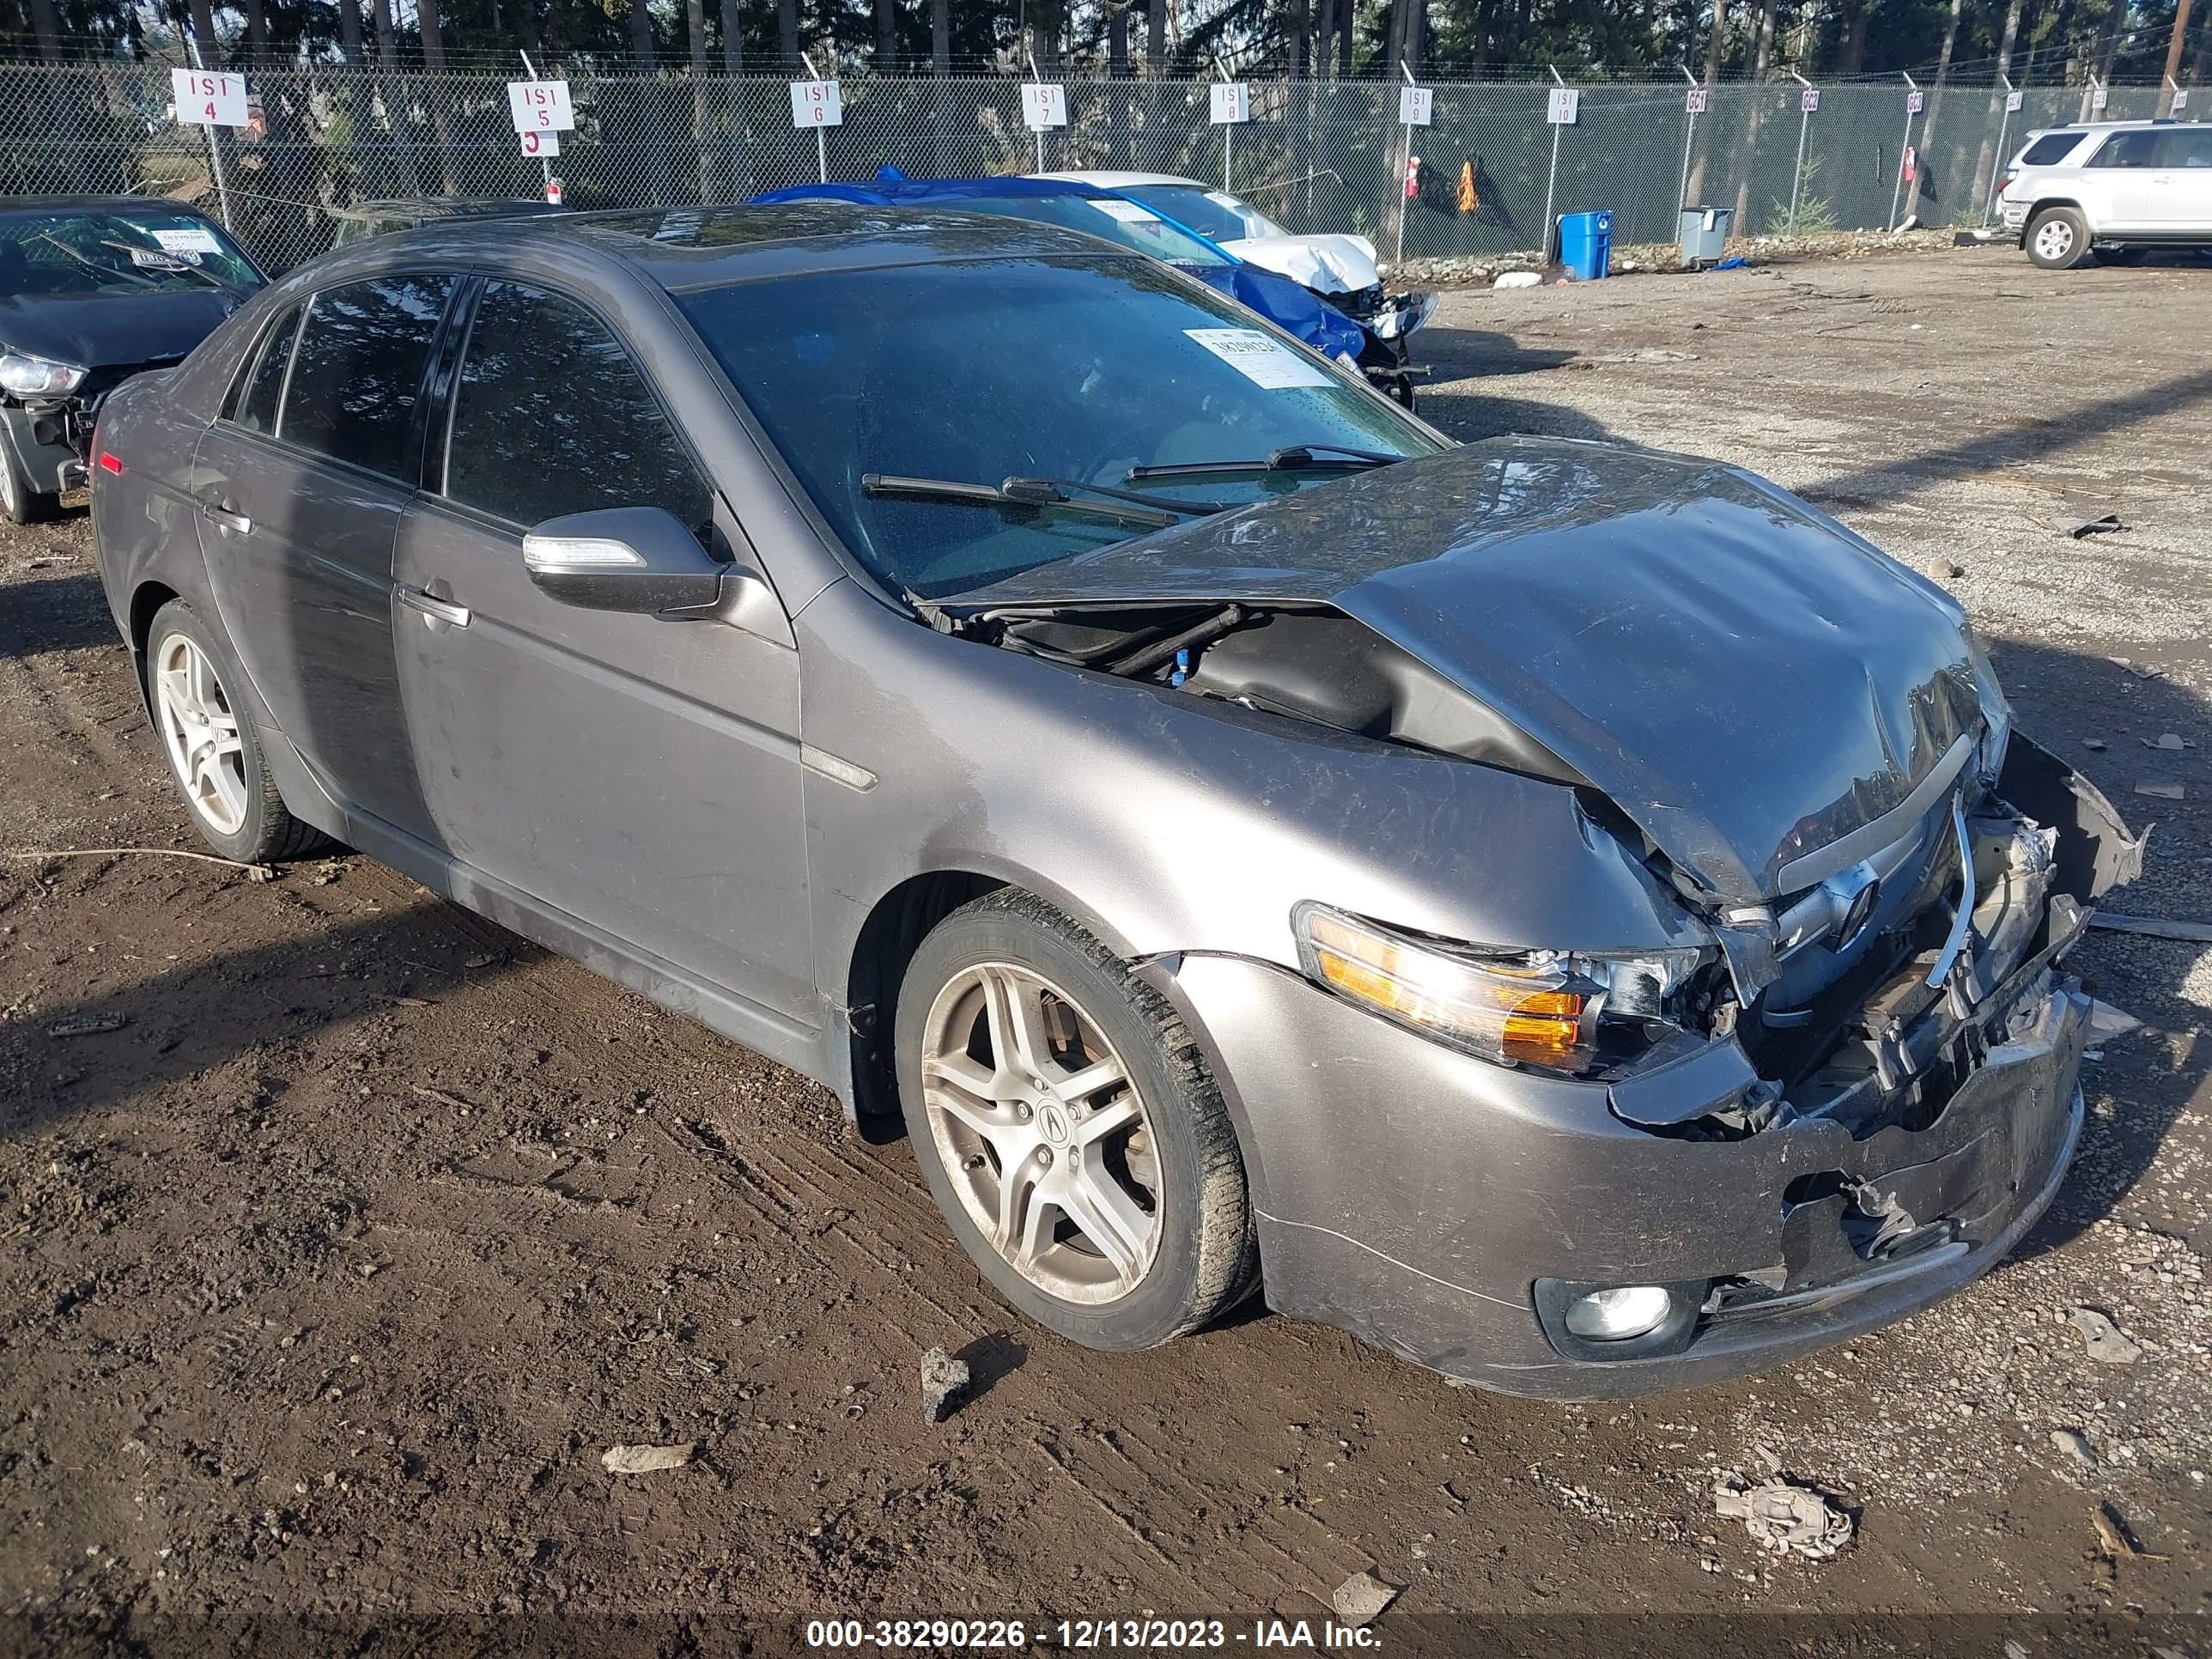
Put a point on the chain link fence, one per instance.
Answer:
(1318, 155)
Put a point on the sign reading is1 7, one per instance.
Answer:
(541, 107)
(209, 101)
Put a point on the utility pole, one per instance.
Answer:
(2173, 56)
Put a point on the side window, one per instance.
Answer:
(551, 417)
(2137, 149)
(2049, 150)
(357, 373)
(257, 395)
(2186, 147)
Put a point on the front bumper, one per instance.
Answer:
(50, 442)
(1416, 1196)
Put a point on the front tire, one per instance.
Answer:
(214, 754)
(2057, 239)
(1069, 1129)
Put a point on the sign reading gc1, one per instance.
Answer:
(541, 107)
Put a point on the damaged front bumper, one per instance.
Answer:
(51, 440)
(1451, 1209)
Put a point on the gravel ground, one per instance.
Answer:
(354, 1231)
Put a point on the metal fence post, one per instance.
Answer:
(1689, 139)
(1551, 179)
(1996, 165)
(1897, 185)
(1804, 127)
(214, 145)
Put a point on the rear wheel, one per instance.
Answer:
(214, 754)
(2059, 239)
(1069, 1129)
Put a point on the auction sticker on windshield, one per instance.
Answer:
(186, 241)
(1127, 212)
(1263, 362)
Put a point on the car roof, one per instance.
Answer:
(93, 204)
(449, 205)
(2088, 127)
(1121, 181)
(683, 249)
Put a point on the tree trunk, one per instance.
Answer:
(257, 30)
(48, 22)
(1347, 19)
(886, 36)
(940, 37)
(387, 42)
(1762, 47)
(350, 31)
(695, 21)
(433, 61)
(528, 10)
(202, 16)
(641, 34)
(786, 34)
(1714, 48)
(1852, 57)
(1156, 38)
(1935, 110)
(1296, 23)
(1117, 41)
(1993, 121)
(733, 37)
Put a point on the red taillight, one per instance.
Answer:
(108, 463)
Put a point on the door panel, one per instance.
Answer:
(301, 489)
(641, 775)
(305, 594)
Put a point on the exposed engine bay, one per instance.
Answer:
(1863, 998)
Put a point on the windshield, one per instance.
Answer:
(1130, 223)
(133, 251)
(978, 371)
(1213, 213)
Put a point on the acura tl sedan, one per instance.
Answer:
(1576, 916)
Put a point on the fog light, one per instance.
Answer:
(1614, 1314)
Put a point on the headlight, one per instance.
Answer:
(37, 377)
(1561, 1010)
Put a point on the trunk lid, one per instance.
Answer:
(1743, 677)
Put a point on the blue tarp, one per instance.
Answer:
(1296, 310)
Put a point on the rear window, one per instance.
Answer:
(357, 369)
(2049, 150)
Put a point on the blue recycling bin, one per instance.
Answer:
(1586, 245)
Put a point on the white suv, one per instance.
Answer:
(2116, 187)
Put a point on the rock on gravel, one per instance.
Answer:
(942, 1378)
(1359, 1598)
(1784, 1515)
(2106, 1344)
(645, 1460)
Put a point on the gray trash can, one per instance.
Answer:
(1705, 233)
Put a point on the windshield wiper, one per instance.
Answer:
(1291, 457)
(1124, 505)
(92, 266)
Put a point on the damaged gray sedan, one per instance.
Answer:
(1579, 918)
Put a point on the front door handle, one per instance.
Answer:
(434, 610)
(229, 523)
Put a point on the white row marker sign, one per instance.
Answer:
(820, 105)
(1565, 106)
(209, 101)
(541, 107)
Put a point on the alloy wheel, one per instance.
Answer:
(1046, 1140)
(2054, 239)
(201, 730)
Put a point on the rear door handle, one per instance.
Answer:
(229, 523)
(433, 609)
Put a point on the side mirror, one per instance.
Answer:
(635, 559)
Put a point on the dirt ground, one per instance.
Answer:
(347, 1231)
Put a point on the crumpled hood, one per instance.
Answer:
(1334, 265)
(114, 330)
(1743, 677)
